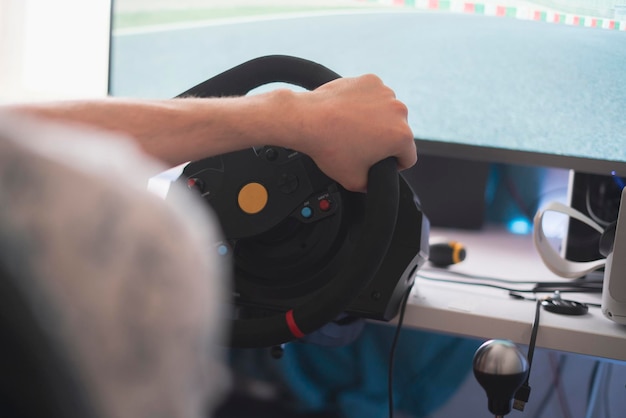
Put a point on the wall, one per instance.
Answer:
(54, 49)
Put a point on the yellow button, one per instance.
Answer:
(252, 198)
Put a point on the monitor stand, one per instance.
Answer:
(451, 190)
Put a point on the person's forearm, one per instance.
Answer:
(179, 130)
(345, 125)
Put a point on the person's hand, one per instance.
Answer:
(346, 125)
(349, 124)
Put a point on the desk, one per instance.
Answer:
(487, 313)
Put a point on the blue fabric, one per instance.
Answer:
(352, 380)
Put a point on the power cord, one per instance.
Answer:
(577, 286)
(523, 393)
(392, 352)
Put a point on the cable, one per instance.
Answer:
(583, 283)
(607, 380)
(539, 287)
(556, 370)
(556, 383)
(476, 276)
(533, 337)
(436, 279)
(393, 349)
(515, 194)
(594, 388)
(523, 393)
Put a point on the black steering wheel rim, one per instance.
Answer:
(381, 208)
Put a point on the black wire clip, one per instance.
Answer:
(563, 306)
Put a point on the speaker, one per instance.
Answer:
(614, 285)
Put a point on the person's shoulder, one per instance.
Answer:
(105, 260)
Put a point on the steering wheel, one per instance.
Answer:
(225, 176)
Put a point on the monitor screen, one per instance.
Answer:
(512, 82)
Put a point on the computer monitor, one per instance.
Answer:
(489, 82)
(493, 88)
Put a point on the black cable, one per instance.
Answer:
(583, 283)
(523, 393)
(477, 276)
(539, 287)
(533, 337)
(510, 289)
(393, 349)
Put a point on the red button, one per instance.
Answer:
(324, 204)
(195, 183)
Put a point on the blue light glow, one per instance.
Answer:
(520, 226)
(618, 180)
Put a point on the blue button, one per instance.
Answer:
(222, 249)
(306, 212)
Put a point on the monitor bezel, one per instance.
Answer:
(520, 157)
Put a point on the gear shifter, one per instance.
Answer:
(500, 368)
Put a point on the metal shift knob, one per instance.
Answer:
(500, 368)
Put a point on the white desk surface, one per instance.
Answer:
(482, 312)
